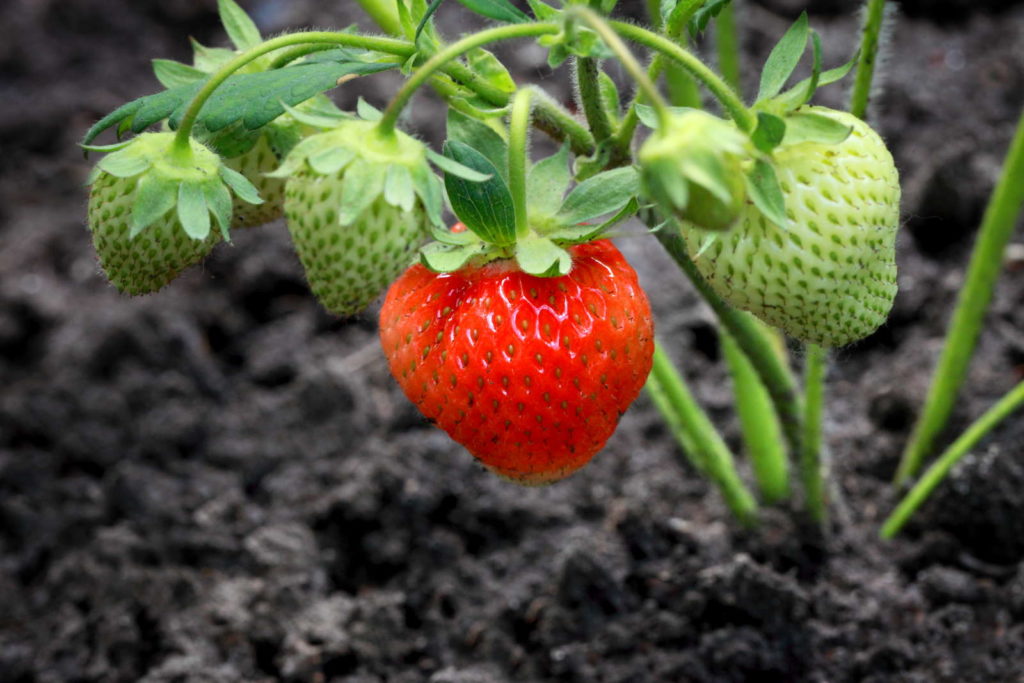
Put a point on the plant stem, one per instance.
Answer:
(604, 29)
(811, 468)
(744, 118)
(762, 435)
(518, 152)
(777, 378)
(874, 14)
(676, 403)
(996, 230)
(553, 119)
(938, 471)
(453, 51)
(314, 37)
(728, 46)
(587, 71)
(384, 13)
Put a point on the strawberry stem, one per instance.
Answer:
(938, 471)
(811, 466)
(874, 15)
(996, 230)
(518, 154)
(590, 98)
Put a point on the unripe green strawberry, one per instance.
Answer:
(829, 277)
(358, 205)
(255, 164)
(150, 209)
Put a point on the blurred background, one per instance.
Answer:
(220, 482)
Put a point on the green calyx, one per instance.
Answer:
(370, 164)
(192, 180)
(694, 168)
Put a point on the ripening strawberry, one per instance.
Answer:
(529, 373)
(829, 277)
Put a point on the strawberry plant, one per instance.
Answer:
(524, 333)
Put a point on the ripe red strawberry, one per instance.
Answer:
(529, 373)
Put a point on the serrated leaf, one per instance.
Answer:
(499, 10)
(481, 137)
(362, 185)
(542, 257)
(649, 117)
(367, 111)
(763, 188)
(171, 74)
(602, 194)
(455, 168)
(769, 132)
(704, 15)
(447, 258)
(547, 183)
(124, 163)
(811, 127)
(218, 199)
(193, 213)
(491, 68)
(154, 197)
(398, 188)
(240, 28)
(486, 208)
(783, 59)
(240, 185)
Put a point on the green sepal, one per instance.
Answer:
(240, 185)
(218, 199)
(240, 28)
(447, 258)
(485, 64)
(649, 117)
(446, 236)
(428, 189)
(579, 234)
(486, 208)
(811, 127)
(481, 137)
(105, 149)
(783, 59)
(542, 11)
(318, 117)
(704, 168)
(398, 188)
(296, 159)
(361, 185)
(547, 183)
(455, 168)
(209, 59)
(193, 213)
(154, 197)
(769, 133)
(171, 74)
(702, 17)
(541, 257)
(600, 195)
(610, 95)
(368, 112)
(330, 160)
(763, 188)
(798, 94)
(125, 163)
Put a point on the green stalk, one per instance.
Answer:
(811, 469)
(996, 230)
(728, 46)
(874, 15)
(593, 105)
(518, 143)
(384, 13)
(676, 403)
(451, 52)
(552, 118)
(753, 341)
(938, 471)
(762, 434)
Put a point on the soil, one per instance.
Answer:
(222, 483)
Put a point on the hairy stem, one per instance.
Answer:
(587, 72)
(727, 45)
(553, 119)
(518, 153)
(811, 467)
(874, 14)
(982, 273)
(938, 471)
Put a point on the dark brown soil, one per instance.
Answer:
(221, 483)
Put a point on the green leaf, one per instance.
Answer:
(368, 112)
(447, 258)
(704, 15)
(455, 168)
(783, 59)
(240, 28)
(542, 11)
(193, 213)
(649, 117)
(171, 74)
(154, 197)
(209, 59)
(769, 132)
(763, 188)
(485, 208)
(499, 10)
(812, 82)
(547, 183)
(240, 185)
(230, 142)
(602, 194)
(398, 188)
(811, 127)
(491, 68)
(481, 137)
(578, 234)
(424, 20)
(794, 97)
(362, 185)
(610, 95)
(218, 199)
(542, 257)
